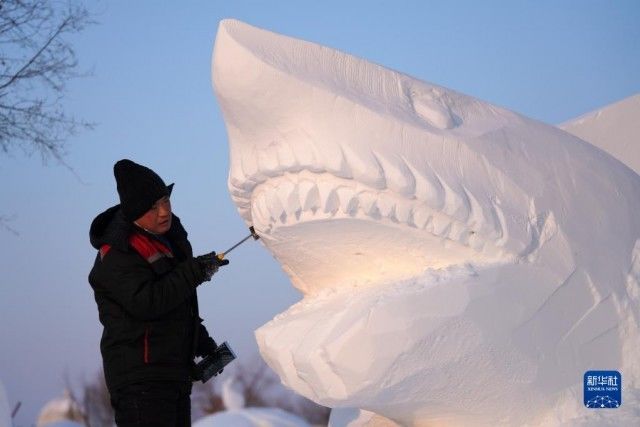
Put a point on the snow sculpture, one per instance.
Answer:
(232, 394)
(614, 128)
(461, 264)
(62, 411)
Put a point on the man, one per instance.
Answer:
(144, 280)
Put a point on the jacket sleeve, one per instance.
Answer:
(131, 283)
(205, 345)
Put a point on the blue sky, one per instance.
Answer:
(150, 95)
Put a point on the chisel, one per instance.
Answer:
(253, 234)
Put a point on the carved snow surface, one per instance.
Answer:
(614, 128)
(460, 264)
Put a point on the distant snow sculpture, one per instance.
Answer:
(232, 394)
(61, 412)
(461, 264)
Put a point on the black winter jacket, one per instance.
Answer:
(148, 307)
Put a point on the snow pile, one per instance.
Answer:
(461, 264)
(237, 415)
(614, 129)
(252, 417)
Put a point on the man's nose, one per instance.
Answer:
(164, 209)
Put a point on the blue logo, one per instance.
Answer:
(602, 389)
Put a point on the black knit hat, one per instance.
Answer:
(139, 188)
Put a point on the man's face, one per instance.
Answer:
(157, 220)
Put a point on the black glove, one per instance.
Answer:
(209, 263)
(209, 350)
(209, 347)
(213, 364)
(202, 371)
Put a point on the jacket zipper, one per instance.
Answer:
(146, 344)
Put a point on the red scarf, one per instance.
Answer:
(149, 248)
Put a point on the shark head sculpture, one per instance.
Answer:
(460, 263)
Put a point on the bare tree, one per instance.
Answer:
(36, 61)
(96, 403)
(205, 400)
(4, 224)
(258, 382)
(93, 399)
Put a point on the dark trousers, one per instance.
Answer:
(158, 404)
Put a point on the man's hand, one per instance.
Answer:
(210, 264)
(213, 364)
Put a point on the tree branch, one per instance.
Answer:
(34, 73)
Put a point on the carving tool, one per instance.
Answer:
(253, 234)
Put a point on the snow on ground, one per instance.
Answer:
(64, 423)
(461, 264)
(252, 417)
(614, 128)
(352, 417)
(236, 415)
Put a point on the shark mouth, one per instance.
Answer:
(329, 228)
(352, 186)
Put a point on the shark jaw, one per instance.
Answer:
(354, 235)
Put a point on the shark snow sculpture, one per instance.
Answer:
(461, 264)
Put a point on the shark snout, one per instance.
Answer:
(309, 149)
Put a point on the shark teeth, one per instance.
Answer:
(440, 225)
(335, 162)
(399, 177)
(428, 189)
(421, 217)
(309, 196)
(454, 203)
(365, 168)
(314, 197)
(367, 203)
(254, 166)
(403, 211)
(340, 181)
(348, 199)
(329, 201)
